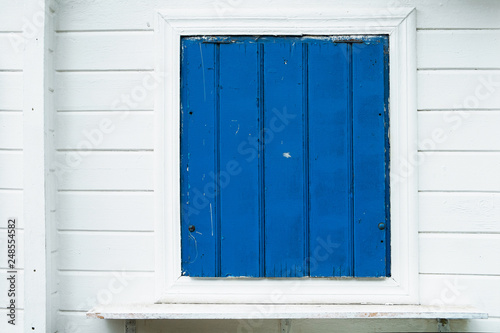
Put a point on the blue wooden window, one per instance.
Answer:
(284, 156)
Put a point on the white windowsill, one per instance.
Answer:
(298, 311)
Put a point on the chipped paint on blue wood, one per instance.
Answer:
(369, 146)
(329, 122)
(284, 156)
(284, 160)
(239, 177)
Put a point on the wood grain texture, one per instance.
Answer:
(459, 212)
(81, 291)
(458, 89)
(104, 170)
(104, 91)
(11, 130)
(84, 130)
(481, 292)
(11, 169)
(121, 211)
(459, 130)
(105, 251)
(104, 51)
(458, 49)
(11, 91)
(459, 253)
(459, 171)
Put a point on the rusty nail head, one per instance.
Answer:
(191, 228)
(381, 225)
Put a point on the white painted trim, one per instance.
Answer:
(37, 152)
(401, 288)
(301, 311)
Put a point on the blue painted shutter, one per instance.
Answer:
(284, 157)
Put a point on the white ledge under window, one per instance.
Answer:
(270, 311)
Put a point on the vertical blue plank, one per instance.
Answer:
(329, 160)
(198, 158)
(369, 140)
(239, 176)
(284, 163)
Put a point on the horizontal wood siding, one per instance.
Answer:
(81, 291)
(90, 130)
(464, 49)
(459, 253)
(139, 15)
(459, 212)
(105, 251)
(11, 154)
(104, 90)
(458, 130)
(105, 51)
(462, 290)
(11, 91)
(459, 171)
(11, 130)
(11, 56)
(104, 170)
(105, 211)
(11, 165)
(102, 55)
(458, 89)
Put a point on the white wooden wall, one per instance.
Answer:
(11, 150)
(104, 49)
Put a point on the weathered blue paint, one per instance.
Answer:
(329, 159)
(284, 156)
(369, 147)
(239, 172)
(284, 175)
(198, 159)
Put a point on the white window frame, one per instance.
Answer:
(399, 24)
